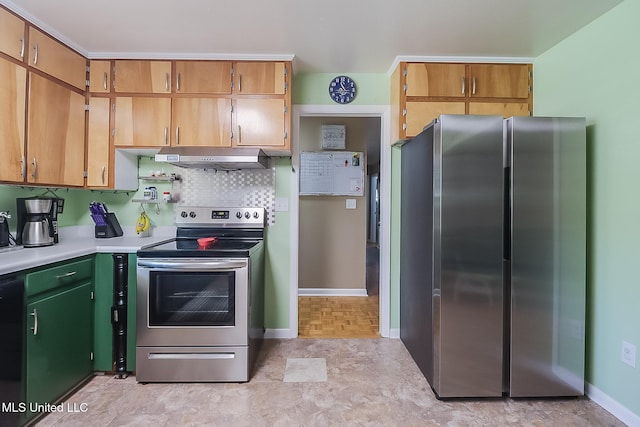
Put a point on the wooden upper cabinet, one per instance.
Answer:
(203, 77)
(499, 80)
(142, 76)
(98, 151)
(57, 60)
(99, 76)
(260, 122)
(13, 89)
(419, 114)
(435, 79)
(259, 78)
(55, 145)
(505, 109)
(12, 35)
(142, 121)
(201, 122)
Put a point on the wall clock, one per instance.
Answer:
(342, 89)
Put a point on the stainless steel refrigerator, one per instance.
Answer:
(492, 273)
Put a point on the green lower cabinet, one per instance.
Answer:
(59, 342)
(103, 332)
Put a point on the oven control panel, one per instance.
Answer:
(194, 216)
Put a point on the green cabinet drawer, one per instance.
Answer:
(60, 275)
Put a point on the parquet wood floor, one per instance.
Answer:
(338, 317)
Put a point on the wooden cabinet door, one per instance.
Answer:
(57, 60)
(202, 121)
(99, 76)
(142, 122)
(203, 77)
(259, 78)
(505, 109)
(13, 89)
(98, 153)
(12, 35)
(499, 80)
(260, 122)
(420, 114)
(55, 146)
(142, 76)
(435, 79)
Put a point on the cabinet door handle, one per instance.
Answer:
(23, 168)
(166, 82)
(34, 328)
(239, 134)
(22, 47)
(177, 135)
(178, 83)
(464, 86)
(69, 274)
(35, 169)
(35, 54)
(104, 80)
(166, 135)
(473, 88)
(239, 82)
(103, 170)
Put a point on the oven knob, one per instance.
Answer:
(239, 215)
(256, 215)
(183, 214)
(192, 214)
(247, 215)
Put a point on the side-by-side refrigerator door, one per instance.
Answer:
(416, 237)
(548, 243)
(468, 256)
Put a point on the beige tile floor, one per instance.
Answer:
(369, 382)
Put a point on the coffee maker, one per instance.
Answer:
(37, 221)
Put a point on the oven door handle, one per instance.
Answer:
(193, 265)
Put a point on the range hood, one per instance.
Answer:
(219, 158)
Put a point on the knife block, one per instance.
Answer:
(111, 229)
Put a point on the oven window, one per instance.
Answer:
(191, 298)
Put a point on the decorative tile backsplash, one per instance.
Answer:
(240, 188)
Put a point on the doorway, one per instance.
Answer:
(376, 246)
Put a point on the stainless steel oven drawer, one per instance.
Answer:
(192, 364)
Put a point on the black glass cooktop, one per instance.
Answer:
(189, 247)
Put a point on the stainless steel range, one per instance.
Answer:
(200, 298)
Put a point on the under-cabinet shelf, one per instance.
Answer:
(153, 201)
(164, 178)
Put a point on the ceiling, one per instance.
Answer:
(322, 36)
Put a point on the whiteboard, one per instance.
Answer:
(332, 173)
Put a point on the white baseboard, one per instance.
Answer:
(394, 333)
(279, 334)
(331, 292)
(612, 406)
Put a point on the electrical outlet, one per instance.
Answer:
(629, 354)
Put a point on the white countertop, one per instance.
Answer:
(79, 241)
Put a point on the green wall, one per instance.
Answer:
(313, 89)
(594, 73)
